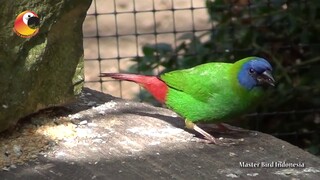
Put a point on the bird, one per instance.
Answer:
(213, 92)
(26, 24)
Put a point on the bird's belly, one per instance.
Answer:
(216, 109)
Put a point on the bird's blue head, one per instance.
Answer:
(255, 72)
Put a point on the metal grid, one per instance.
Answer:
(115, 34)
(116, 30)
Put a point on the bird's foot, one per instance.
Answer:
(220, 141)
(208, 137)
(224, 128)
(229, 142)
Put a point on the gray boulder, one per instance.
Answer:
(46, 69)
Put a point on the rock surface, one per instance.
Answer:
(46, 69)
(118, 139)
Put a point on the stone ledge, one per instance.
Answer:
(119, 139)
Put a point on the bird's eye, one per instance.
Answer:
(251, 71)
(26, 17)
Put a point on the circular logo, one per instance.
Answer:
(26, 24)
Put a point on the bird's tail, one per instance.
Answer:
(153, 84)
(140, 79)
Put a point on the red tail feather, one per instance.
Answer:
(152, 84)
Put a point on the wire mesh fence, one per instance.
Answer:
(116, 31)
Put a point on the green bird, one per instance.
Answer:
(208, 93)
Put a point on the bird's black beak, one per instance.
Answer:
(266, 78)
(33, 22)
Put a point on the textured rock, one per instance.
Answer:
(43, 70)
(131, 140)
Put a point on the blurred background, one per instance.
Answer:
(155, 36)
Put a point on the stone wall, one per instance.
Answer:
(43, 70)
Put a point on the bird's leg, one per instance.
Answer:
(223, 128)
(209, 137)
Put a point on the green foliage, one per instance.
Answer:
(284, 32)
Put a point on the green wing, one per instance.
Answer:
(201, 81)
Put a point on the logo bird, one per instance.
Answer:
(26, 24)
(208, 93)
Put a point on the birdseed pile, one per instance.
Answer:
(32, 137)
